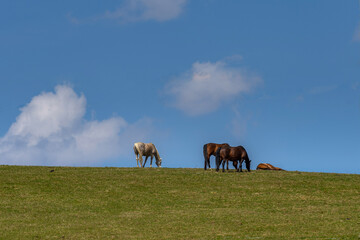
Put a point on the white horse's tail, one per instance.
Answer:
(136, 151)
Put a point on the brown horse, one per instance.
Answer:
(210, 149)
(267, 166)
(232, 154)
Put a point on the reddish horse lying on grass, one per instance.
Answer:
(232, 154)
(267, 166)
(210, 149)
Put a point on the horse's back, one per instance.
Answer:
(150, 148)
(233, 153)
(224, 152)
(140, 146)
(213, 147)
(243, 151)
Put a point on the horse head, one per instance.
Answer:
(158, 162)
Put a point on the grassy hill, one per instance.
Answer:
(132, 203)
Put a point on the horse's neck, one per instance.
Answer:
(157, 156)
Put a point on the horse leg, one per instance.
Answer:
(227, 165)
(208, 161)
(235, 165)
(145, 160)
(151, 161)
(238, 167)
(218, 161)
(141, 160)
(205, 163)
(137, 160)
(223, 165)
(241, 161)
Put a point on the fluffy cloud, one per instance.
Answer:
(51, 130)
(207, 85)
(142, 10)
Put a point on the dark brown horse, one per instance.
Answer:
(210, 149)
(232, 154)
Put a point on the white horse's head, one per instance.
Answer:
(158, 162)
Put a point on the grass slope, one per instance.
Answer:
(132, 203)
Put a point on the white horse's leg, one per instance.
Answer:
(145, 160)
(137, 160)
(151, 161)
(141, 160)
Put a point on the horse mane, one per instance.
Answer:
(157, 155)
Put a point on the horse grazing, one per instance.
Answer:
(210, 149)
(267, 166)
(232, 154)
(147, 150)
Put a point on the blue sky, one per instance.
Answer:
(82, 81)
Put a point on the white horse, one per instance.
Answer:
(146, 149)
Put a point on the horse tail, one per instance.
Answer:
(205, 150)
(205, 155)
(218, 158)
(136, 150)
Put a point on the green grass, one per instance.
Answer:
(132, 203)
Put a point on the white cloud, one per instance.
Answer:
(208, 85)
(143, 10)
(51, 130)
